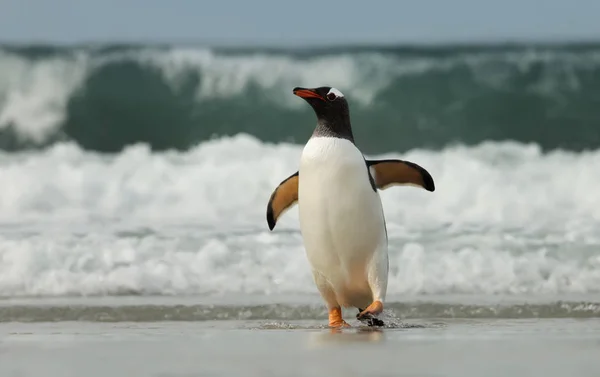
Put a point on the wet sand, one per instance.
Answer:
(424, 347)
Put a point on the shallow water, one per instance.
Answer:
(277, 336)
(548, 347)
(298, 308)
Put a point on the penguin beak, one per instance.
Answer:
(307, 93)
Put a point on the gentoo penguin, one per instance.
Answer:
(341, 216)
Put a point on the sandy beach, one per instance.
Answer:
(239, 348)
(549, 345)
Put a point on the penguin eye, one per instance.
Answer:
(331, 96)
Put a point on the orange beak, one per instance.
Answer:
(307, 93)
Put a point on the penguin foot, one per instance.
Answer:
(372, 322)
(369, 319)
(369, 314)
(374, 309)
(335, 318)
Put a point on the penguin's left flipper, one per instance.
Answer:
(369, 320)
(387, 173)
(284, 197)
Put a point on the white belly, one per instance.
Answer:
(341, 220)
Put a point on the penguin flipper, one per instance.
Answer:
(387, 173)
(282, 199)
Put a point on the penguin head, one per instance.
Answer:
(329, 104)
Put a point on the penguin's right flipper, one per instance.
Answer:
(282, 199)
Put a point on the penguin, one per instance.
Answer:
(342, 221)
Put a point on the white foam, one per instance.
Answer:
(225, 76)
(34, 93)
(504, 218)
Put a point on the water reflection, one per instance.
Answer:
(350, 335)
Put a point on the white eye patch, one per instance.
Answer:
(336, 92)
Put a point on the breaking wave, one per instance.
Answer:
(506, 218)
(175, 97)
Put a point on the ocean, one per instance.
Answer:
(135, 180)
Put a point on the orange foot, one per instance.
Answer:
(372, 310)
(335, 318)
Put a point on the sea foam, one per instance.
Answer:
(505, 219)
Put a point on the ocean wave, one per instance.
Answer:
(107, 98)
(506, 218)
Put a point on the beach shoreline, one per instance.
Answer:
(287, 308)
(459, 347)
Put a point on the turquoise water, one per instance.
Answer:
(173, 96)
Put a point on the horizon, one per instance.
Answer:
(309, 44)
